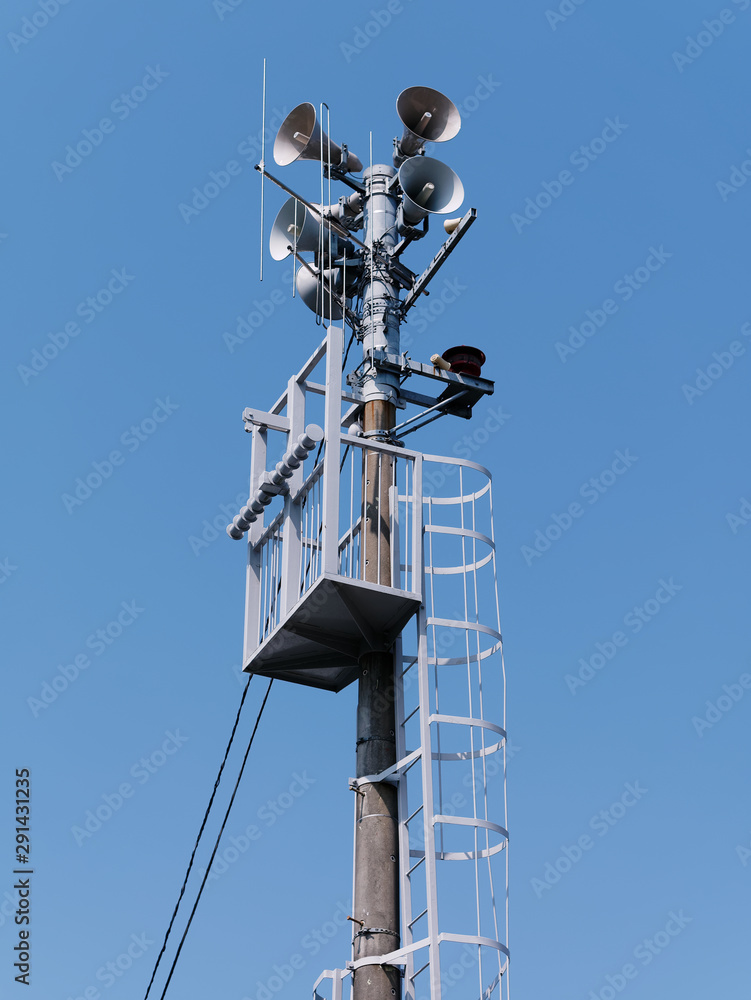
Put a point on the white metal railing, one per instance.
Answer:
(270, 555)
(323, 530)
(304, 523)
(311, 531)
(395, 505)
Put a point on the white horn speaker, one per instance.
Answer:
(295, 225)
(429, 187)
(315, 296)
(302, 138)
(427, 116)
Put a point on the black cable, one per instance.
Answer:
(219, 837)
(346, 353)
(198, 838)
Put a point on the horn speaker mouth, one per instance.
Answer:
(428, 114)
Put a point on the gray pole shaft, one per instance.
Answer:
(376, 904)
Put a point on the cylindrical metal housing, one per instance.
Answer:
(376, 901)
(380, 316)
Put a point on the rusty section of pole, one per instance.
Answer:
(376, 844)
(378, 473)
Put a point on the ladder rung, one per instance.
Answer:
(414, 921)
(422, 969)
(416, 865)
(409, 818)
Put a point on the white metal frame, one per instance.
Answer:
(314, 537)
(309, 538)
(421, 766)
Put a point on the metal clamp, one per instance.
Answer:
(376, 930)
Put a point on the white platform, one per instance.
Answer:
(319, 643)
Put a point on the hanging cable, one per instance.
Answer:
(346, 353)
(216, 844)
(198, 838)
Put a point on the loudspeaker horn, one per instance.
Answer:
(295, 225)
(427, 116)
(316, 297)
(430, 187)
(300, 137)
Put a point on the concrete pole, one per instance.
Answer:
(376, 904)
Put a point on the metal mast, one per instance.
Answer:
(376, 902)
(354, 555)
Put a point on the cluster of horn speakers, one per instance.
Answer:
(428, 187)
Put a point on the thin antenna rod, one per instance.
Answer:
(372, 276)
(263, 159)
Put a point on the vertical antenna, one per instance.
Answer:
(263, 158)
(328, 202)
(370, 181)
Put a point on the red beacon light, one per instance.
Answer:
(465, 360)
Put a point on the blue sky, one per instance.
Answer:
(607, 149)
